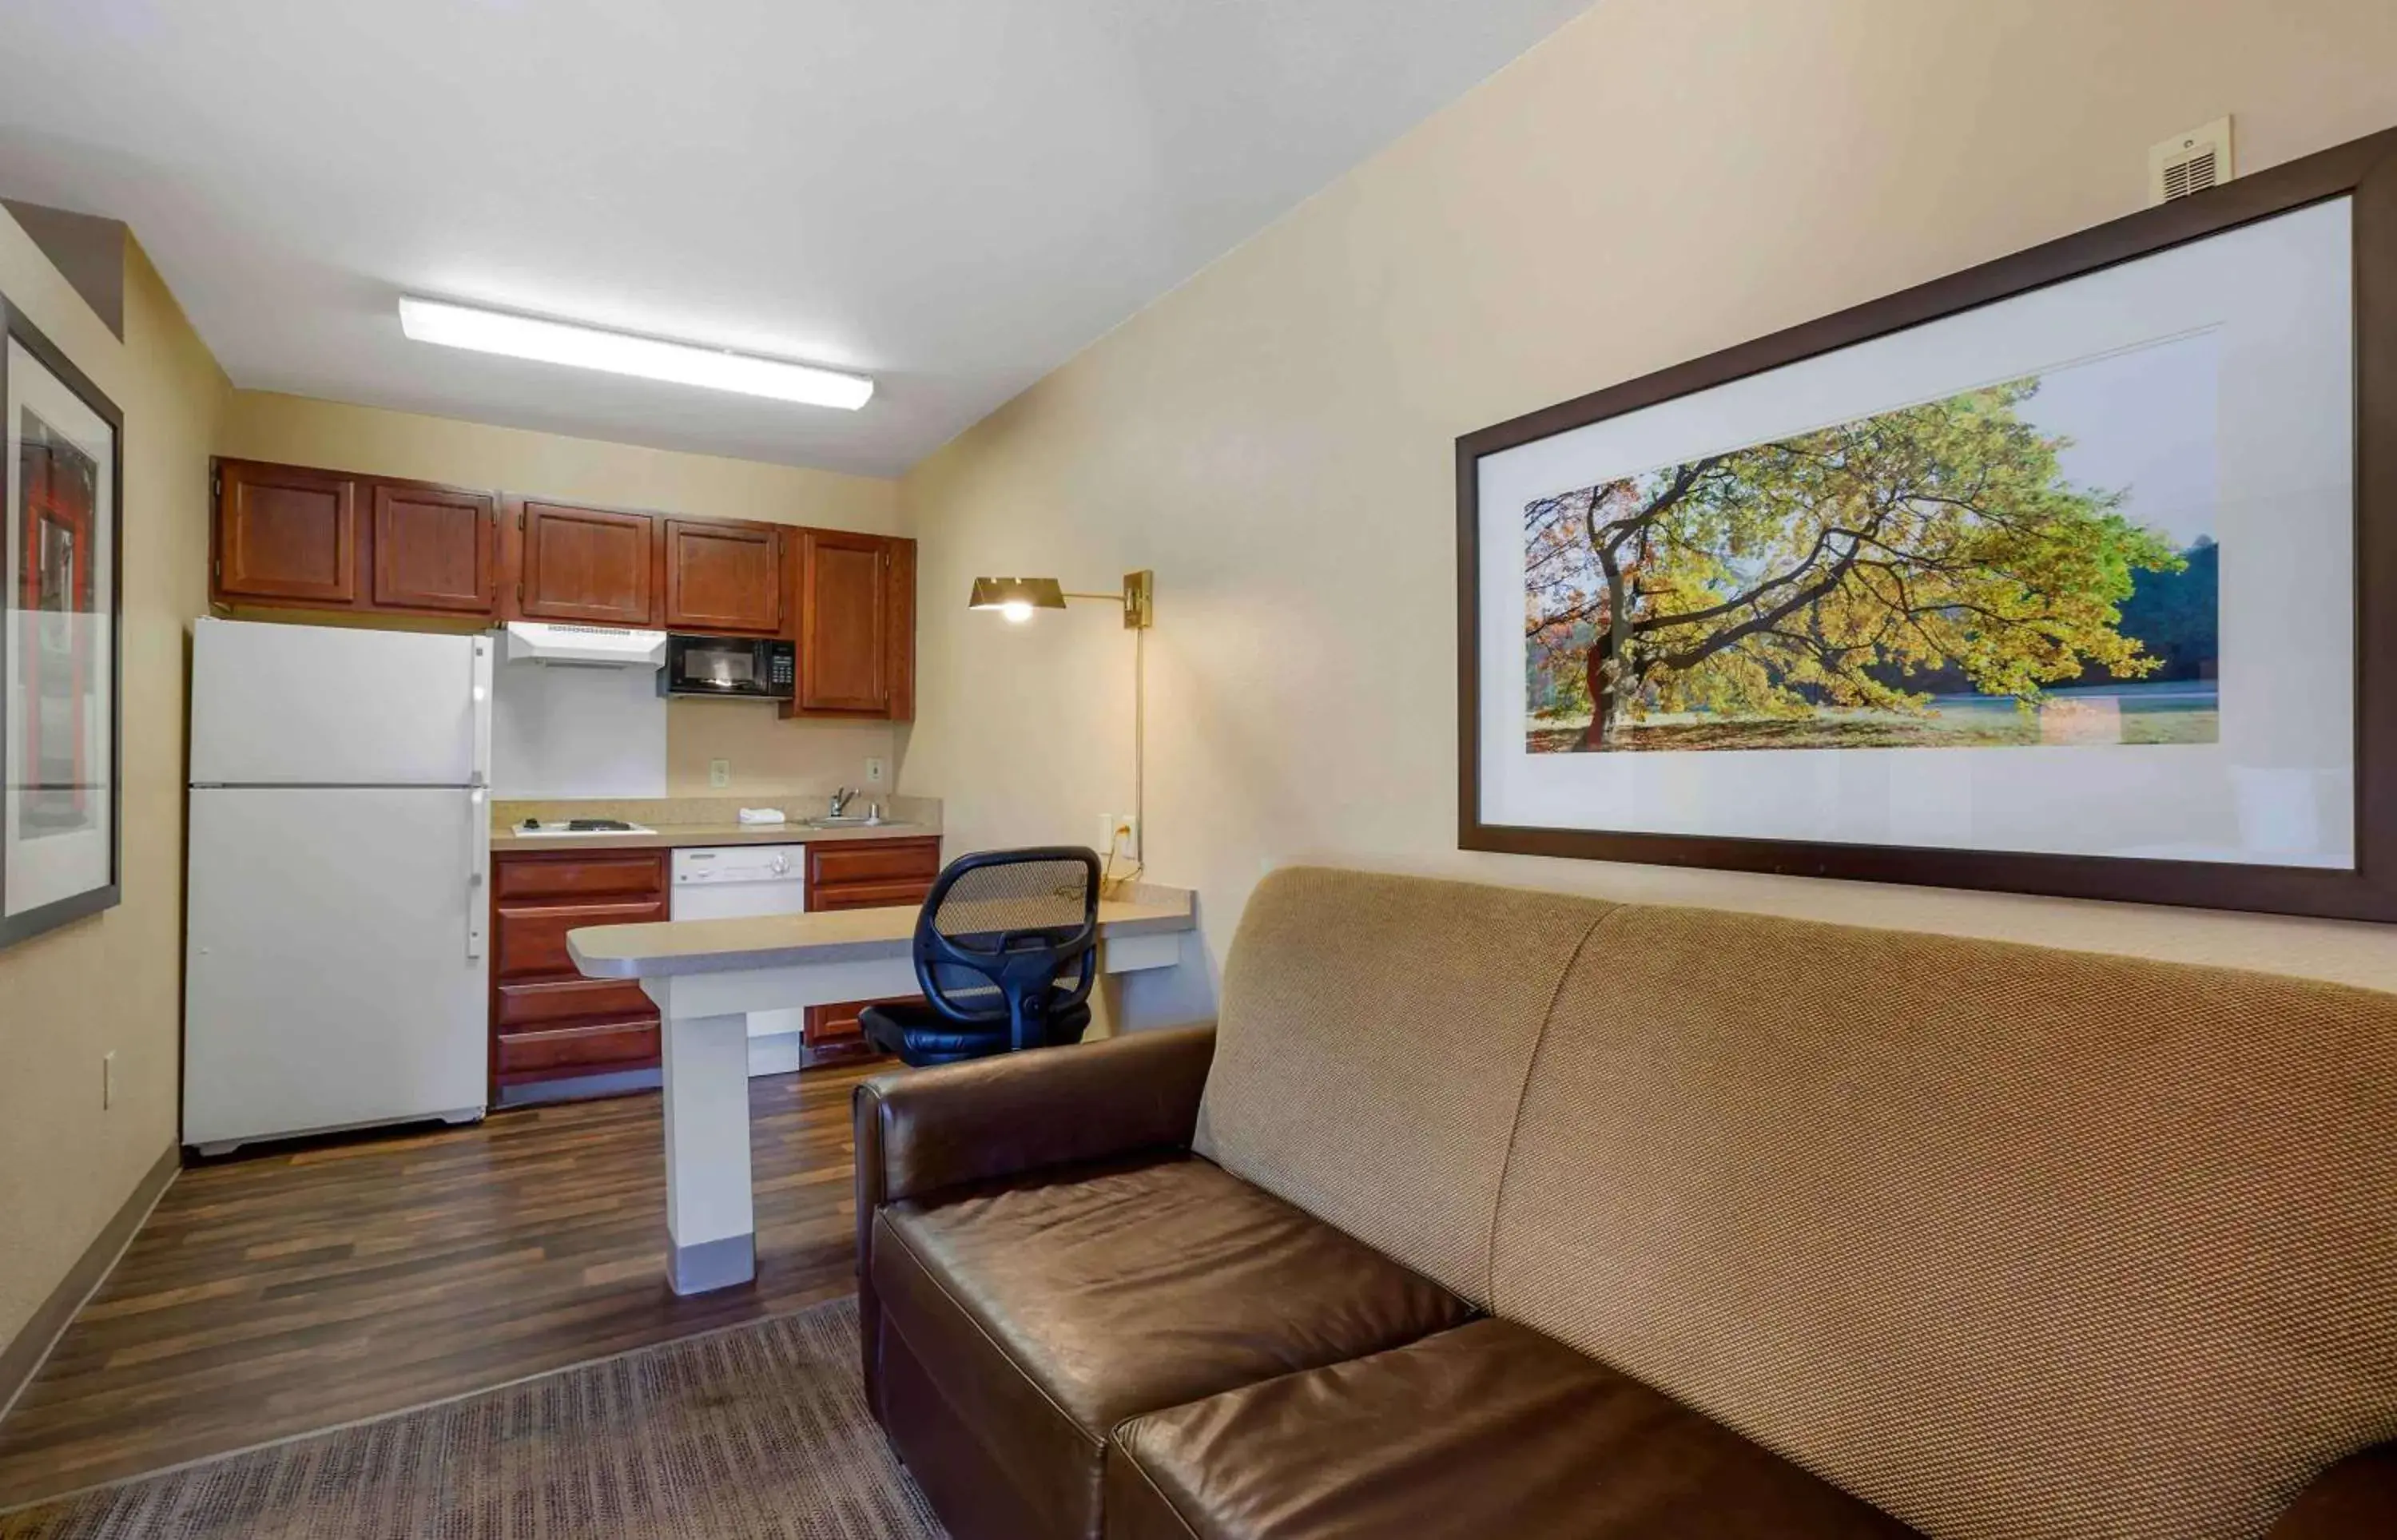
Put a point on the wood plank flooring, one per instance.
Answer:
(294, 1291)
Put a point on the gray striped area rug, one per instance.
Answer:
(756, 1433)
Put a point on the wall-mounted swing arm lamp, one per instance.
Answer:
(1019, 598)
(1016, 598)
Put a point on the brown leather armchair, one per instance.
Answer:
(995, 1119)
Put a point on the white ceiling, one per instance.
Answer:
(952, 195)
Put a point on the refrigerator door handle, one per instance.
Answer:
(478, 870)
(480, 773)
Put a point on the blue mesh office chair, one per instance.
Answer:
(1006, 951)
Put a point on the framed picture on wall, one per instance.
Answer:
(2073, 574)
(59, 714)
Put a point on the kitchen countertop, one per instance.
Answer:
(676, 836)
(670, 947)
(678, 822)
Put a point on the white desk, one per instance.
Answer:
(706, 976)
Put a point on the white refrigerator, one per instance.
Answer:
(339, 850)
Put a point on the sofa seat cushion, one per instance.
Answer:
(1048, 1308)
(1489, 1430)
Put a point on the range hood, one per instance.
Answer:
(583, 647)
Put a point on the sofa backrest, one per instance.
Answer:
(2009, 1242)
(1372, 1039)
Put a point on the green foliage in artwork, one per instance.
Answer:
(1832, 568)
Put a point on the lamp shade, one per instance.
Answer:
(1017, 595)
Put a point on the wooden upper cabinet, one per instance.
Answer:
(723, 577)
(286, 534)
(434, 548)
(857, 624)
(584, 563)
(292, 536)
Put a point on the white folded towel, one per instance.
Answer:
(762, 815)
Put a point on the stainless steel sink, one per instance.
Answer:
(860, 821)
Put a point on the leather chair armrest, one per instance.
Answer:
(2352, 1499)
(921, 1130)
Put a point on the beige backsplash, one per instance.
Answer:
(770, 757)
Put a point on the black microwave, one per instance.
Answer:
(729, 667)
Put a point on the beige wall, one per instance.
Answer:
(112, 982)
(768, 754)
(1662, 178)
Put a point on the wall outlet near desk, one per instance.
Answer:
(1119, 837)
(874, 772)
(719, 773)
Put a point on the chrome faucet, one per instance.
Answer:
(840, 801)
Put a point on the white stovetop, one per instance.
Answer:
(559, 830)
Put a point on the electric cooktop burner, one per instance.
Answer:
(582, 826)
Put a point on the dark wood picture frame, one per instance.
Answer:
(16, 326)
(2364, 170)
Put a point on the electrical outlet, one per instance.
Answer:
(875, 771)
(1120, 836)
(108, 1079)
(719, 773)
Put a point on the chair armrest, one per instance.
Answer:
(2354, 1498)
(921, 1130)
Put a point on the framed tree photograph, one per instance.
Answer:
(59, 842)
(2075, 573)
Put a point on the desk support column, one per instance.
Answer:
(711, 1223)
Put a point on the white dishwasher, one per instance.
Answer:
(739, 882)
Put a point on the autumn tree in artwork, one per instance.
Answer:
(1770, 580)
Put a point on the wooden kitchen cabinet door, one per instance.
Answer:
(723, 577)
(857, 624)
(587, 565)
(286, 534)
(861, 874)
(434, 548)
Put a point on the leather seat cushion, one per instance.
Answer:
(1489, 1430)
(1050, 1308)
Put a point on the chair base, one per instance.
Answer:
(920, 1036)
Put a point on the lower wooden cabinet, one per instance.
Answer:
(835, 1035)
(861, 874)
(548, 1022)
(551, 1023)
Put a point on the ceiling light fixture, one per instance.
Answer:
(619, 353)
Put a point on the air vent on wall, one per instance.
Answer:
(2191, 162)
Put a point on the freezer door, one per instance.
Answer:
(335, 974)
(334, 706)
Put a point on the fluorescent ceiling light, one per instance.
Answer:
(617, 352)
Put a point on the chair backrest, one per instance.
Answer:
(1009, 937)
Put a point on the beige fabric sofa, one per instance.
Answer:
(2004, 1242)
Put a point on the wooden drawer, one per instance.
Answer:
(532, 941)
(873, 861)
(870, 895)
(597, 1048)
(580, 874)
(516, 1006)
